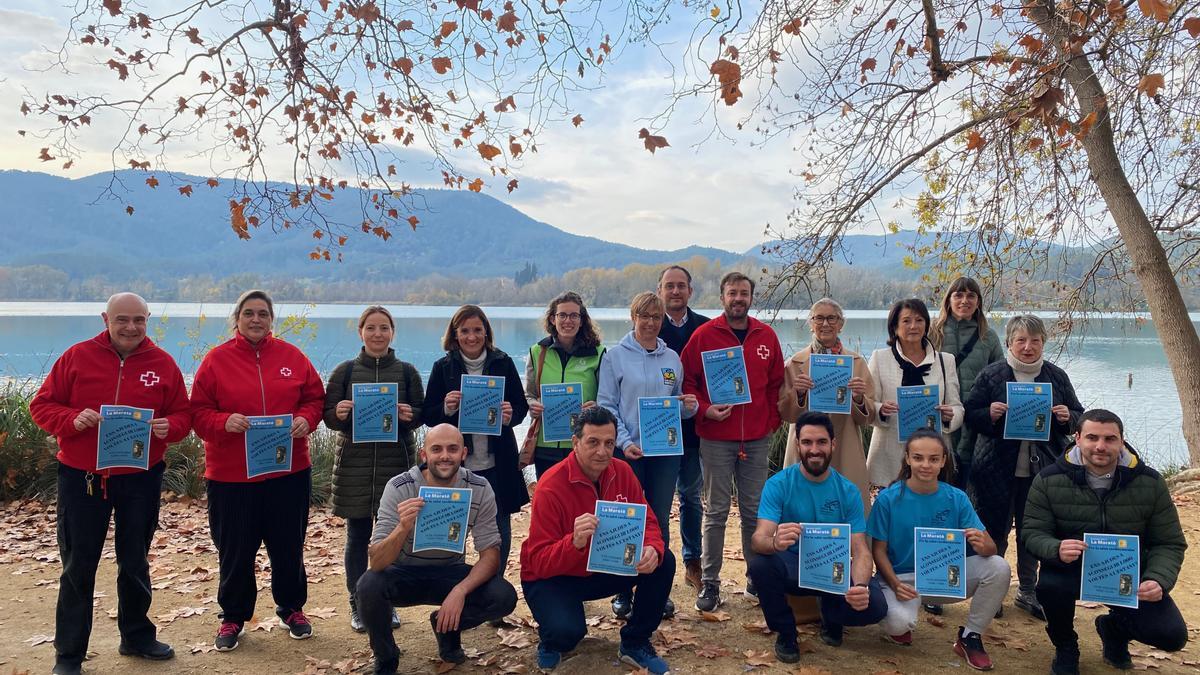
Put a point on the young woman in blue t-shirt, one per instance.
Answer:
(923, 497)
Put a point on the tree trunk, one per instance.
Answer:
(1150, 264)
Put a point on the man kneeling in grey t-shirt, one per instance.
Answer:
(398, 577)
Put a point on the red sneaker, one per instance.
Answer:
(904, 639)
(970, 647)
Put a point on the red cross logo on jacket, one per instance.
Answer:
(764, 352)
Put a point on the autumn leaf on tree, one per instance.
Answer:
(186, 190)
(505, 105)
(1045, 101)
(793, 27)
(237, 219)
(868, 64)
(152, 182)
(729, 75)
(488, 152)
(1150, 84)
(121, 68)
(577, 120)
(1158, 10)
(512, 185)
(1192, 26)
(441, 64)
(652, 143)
(212, 182)
(45, 155)
(448, 27)
(413, 221)
(113, 6)
(975, 141)
(476, 185)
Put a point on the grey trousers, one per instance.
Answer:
(724, 463)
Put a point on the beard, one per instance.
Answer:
(817, 465)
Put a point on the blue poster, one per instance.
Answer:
(725, 376)
(562, 403)
(940, 562)
(479, 411)
(374, 416)
(124, 437)
(1112, 569)
(918, 410)
(442, 523)
(831, 375)
(660, 425)
(1028, 416)
(616, 546)
(268, 445)
(825, 557)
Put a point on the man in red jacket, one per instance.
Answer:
(733, 438)
(120, 366)
(554, 558)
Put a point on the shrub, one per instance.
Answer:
(27, 465)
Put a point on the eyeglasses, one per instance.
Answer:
(831, 320)
(563, 316)
(650, 317)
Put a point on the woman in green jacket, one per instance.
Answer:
(961, 329)
(573, 352)
(362, 470)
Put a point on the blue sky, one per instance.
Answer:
(594, 180)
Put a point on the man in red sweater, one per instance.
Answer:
(120, 366)
(733, 438)
(554, 558)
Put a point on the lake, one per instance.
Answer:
(1100, 359)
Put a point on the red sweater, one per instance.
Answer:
(91, 374)
(274, 378)
(563, 494)
(764, 370)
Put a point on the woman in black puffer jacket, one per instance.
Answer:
(1004, 468)
(362, 470)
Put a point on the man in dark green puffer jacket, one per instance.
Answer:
(1101, 486)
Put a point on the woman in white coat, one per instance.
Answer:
(908, 360)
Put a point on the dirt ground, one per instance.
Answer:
(184, 566)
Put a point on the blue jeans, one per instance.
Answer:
(658, 476)
(557, 604)
(776, 576)
(358, 538)
(691, 482)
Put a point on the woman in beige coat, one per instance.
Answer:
(826, 320)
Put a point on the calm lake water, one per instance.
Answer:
(1100, 360)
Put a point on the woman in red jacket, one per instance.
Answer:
(251, 375)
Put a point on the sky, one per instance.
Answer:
(596, 180)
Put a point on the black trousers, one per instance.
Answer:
(1158, 624)
(131, 500)
(243, 517)
(409, 585)
(777, 576)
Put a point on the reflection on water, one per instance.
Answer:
(1099, 359)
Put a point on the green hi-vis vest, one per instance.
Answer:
(583, 368)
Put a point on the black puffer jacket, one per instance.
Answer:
(995, 460)
(362, 470)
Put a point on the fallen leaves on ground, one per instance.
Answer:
(757, 627)
(322, 612)
(712, 651)
(715, 617)
(936, 620)
(756, 659)
(39, 640)
(516, 638)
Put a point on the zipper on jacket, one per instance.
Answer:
(374, 455)
(262, 388)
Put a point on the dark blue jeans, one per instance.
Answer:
(131, 500)
(410, 585)
(658, 476)
(776, 577)
(691, 482)
(557, 604)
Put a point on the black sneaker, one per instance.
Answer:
(933, 609)
(227, 636)
(449, 644)
(63, 668)
(298, 625)
(710, 596)
(153, 650)
(1066, 661)
(356, 623)
(1029, 603)
(1115, 646)
(751, 591)
(669, 609)
(622, 605)
(786, 649)
(395, 619)
(831, 634)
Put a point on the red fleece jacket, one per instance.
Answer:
(563, 494)
(91, 374)
(272, 378)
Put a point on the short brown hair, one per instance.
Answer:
(253, 294)
(736, 278)
(375, 309)
(589, 333)
(450, 339)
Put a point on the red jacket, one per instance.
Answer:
(275, 378)
(764, 370)
(563, 494)
(91, 374)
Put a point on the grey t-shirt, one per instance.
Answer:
(481, 522)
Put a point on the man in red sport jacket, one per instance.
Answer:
(120, 366)
(554, 558)
(733, 438)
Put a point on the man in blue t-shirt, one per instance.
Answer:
(811, 492)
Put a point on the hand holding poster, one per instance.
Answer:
(616, 546)
(479, 412)
(725, 376)
(1112, 569)
(825, 557)
(374, 416)
(123, 439)
(831, 375)
(660, 425)
(1028, 416)
(940, 562)
(442, 523)
(268, 445)
(561, 404)
(918, 410)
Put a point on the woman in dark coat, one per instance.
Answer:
(470, 351)
(1003, 468)
(362, 470)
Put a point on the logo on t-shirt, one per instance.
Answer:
(832, 506)
(764, 352)
(668, 376)
(941, 517)
(149, 378)
(285, 371)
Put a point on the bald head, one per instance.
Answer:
(443, 452)
(125, 317)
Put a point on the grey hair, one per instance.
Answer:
(1027, 323)
(832, 303)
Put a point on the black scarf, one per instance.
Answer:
(913, 376)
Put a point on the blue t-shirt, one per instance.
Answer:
(898, 511)
(790, 497)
